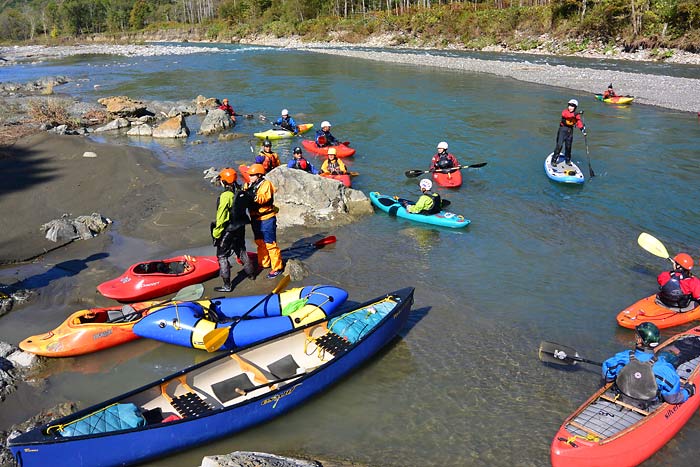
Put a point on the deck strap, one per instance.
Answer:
(624, 404)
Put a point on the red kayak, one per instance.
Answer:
(344, 179)
(450, 179)
(653, 310)
(342, 150)
(151, 279)
(243, 169)
(608, 431)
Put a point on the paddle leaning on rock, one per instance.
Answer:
(417, 172)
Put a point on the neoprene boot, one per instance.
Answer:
(225, 288)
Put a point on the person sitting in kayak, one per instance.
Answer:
(443, 159)
(332, 165)
(644, 376)
(287, 122)
(565, 134)
(324, 137)
(428, 203)
(267, 157)
(228, 109)
(298, 161)
(228, 231)
(609, 92)
(679, 287)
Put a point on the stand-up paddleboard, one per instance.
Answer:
(562, 172)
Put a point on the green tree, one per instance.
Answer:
(14, 25)
(139, 14)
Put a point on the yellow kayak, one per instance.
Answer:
(620, 100)
(278, 133)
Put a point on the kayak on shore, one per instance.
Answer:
(651, 309)
(280, 133)
(152, 279)
(562, 172)
(393, 207)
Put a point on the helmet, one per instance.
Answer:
(442, 145)
(297, 150)
(610, 86)
(684, 260)
(267, 143)
(573, 102)
(325, 123)
(331, 151)
(285, 112)
(426, 184)
(649, 334)
(228, 175)
(256, 169)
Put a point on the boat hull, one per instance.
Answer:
(342, 150)
(650, 309)
(561, 172)
(344, 179)
(619, 100)
(275, 133)
(393, 207)
(448, 180)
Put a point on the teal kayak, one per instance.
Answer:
(393, 207)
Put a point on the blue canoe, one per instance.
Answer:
(221, 396)
(562, 172)
(393, 207)
(187, 323)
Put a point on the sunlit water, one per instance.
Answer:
(540, 261)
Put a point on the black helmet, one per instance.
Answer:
(297, 150)
(267, 143)
(649, 334)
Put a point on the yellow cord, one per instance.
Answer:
(62, 426)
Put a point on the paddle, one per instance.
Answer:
(558, 354)
(318, 244)
(215, 338)
(585, 139)
(418, 172)
(653, 246)
(185, 294)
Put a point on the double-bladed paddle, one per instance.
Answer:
(418, 172)
(215, 338)
(551, 352)
(317, 244)
(655, 247)
(185, 294)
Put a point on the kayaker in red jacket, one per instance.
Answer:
(443, 159)
(228, 109)
(609, 92)
(679, 287)
(565, 135)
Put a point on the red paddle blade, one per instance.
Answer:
(325, 241)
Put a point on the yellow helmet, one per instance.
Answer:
(256, 169)
(332, 151)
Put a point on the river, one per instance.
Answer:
(540, 261)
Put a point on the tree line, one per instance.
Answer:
(458, 20)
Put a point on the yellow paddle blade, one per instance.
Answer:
(652, 245)
(283, 283)
(214, 339)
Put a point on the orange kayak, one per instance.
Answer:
(344, 179)
(87, 331)
(652, 310)
(607, 432)
(342, 149)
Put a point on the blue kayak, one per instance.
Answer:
(393, 207)
(186, 323)
(562, 172)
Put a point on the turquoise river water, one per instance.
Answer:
(540, 261)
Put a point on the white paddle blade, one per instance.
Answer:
(652, 245)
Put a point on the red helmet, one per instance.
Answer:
(228, 175)
(684, 260)
(256, 169)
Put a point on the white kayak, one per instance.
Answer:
(562, 172)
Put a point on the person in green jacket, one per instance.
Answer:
(428, 203)
(228, 231)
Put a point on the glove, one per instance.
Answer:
(690, 388)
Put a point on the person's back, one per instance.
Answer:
(428, 203)
(677, 288)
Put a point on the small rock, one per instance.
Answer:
(22, 359)
(89, 154)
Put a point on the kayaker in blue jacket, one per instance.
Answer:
(287, 122)
(298, 161)
(324, 137)
(644, 376)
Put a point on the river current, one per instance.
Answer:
(540, 261)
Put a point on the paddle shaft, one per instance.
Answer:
(585, 139)
(189, 293)
(418, 172)
(243, 392)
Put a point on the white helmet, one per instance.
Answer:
(285, 112)
(426, 184)
(573, 102)
(442, 145)
(325, 123)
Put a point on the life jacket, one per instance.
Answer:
(302, 164)
(568, 119)
(444, 161)
(637, 379)
(437, 203)
(238, 215)
(258, 210)
(671, 293)
(269, 160)
(333, 166)
(286, 124)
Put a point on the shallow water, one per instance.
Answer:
(540, 261)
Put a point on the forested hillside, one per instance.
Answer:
(473, 24)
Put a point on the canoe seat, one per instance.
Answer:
(232, 388)
(118, 316)
(284, 367)
(186, 405)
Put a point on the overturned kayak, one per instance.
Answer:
(619, 100)
(607, 431)
(342, 150)
(279, 133)
(393, 207)
(152, 279)
(561, 171)
(218, 397)
(651, 309)
(188, 323)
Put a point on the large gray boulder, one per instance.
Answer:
(310, 200)
(216, 120)
(256, 459)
